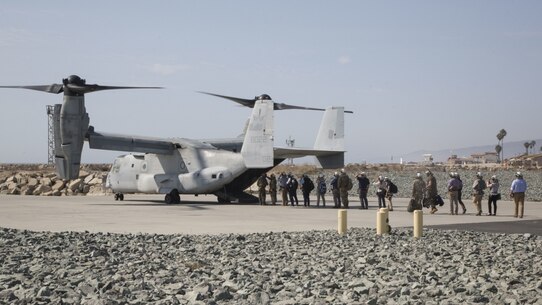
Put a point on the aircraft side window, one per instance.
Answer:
(137, 177)
(132, 165)
(213, 176)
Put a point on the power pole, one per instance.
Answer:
(290, 143)
(53, 122)
(50, 134)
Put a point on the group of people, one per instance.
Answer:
(424, 193)
(288, 185)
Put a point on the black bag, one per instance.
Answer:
(393, 188)
(310, 184)
(439, 201)
(498, 196)
(411, 205)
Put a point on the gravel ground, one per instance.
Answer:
(316, 267)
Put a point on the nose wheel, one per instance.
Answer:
(173, 197)
(119, 196)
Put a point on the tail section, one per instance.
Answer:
(331, 138)
(257, 150)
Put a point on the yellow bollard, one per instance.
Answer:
(382, 221)
(418, 224)
(342, 221)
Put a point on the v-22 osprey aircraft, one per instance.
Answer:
(223, 167)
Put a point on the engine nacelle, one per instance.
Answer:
(71, 123)
(204, 181)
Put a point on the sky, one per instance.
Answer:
(419, 75)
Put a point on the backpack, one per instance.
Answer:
(349, 184)
(393, 188)
(322, 187)
(309, 184)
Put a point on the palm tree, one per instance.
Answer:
(500, 137)
(532, 144)
(527, 145)
(498, 149)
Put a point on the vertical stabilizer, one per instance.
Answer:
(331, 137)
(257, 150)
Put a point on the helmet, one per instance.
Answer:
(418, 175)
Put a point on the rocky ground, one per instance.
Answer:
(317, 267)
(41, 180)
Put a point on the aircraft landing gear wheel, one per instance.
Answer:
(119, 196)
(223, 200)
(173, 197)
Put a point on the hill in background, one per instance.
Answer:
(511, 149)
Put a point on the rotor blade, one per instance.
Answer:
(282, 106)
(245, 102)
(94, 88)
(53, 88)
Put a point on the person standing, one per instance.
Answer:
(292, 185)
(335, 190)
(306, 187)
(493, 186)
(363, 185)
(478, 187)
(262, 183)
(432, 192)
(344, 184)
(460, 193)
(380, 185)
(321, 189)
(453, 190)
(283, 186)
(517, 192)
(418, 191)
(389, 193)
(273, 189)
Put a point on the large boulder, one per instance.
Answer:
(41, 189)
(33, 182)
(88, 178)
(59, 185)
(74, 185)
(46, 181)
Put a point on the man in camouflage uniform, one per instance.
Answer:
(273, 189)
(335, 190)
(432, 192)
(478, 188)
(418, 191)
(344, 184)
(262, 183)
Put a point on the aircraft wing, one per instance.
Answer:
(108, 141)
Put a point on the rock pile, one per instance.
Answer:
(316, 267)
(47, 184)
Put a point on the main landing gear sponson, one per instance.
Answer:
(173, 197)
(119, 196)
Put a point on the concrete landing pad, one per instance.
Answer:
(203, 215)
